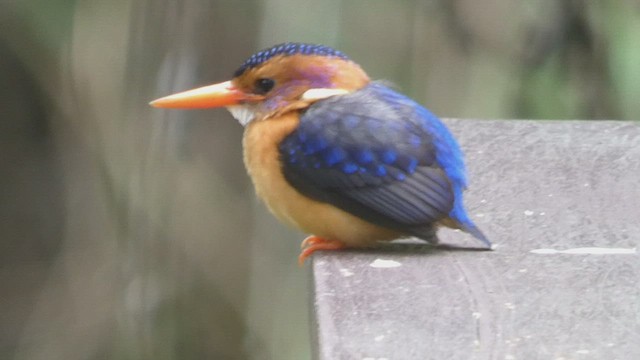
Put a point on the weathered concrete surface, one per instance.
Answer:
(557, 185)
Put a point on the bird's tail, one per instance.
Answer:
(472, 229)
(458, 219)
(467, 226)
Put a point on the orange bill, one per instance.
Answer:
(217, 95)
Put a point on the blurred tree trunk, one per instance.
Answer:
(156, 233)
(31, 195)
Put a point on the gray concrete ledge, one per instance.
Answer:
(561, 201)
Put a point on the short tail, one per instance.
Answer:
(428, 233)
(472, 229)
(459, 219)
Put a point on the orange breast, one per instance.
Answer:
(261, 157)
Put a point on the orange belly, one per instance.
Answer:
(261, 157)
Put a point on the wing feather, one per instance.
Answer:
(373, 153)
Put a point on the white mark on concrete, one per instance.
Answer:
(346, 272)
(582, 351)
(509, 357)
(476, 315)
(542, 213)
(588, 251)
(483, 201)
(528, 212)
(381, 263)
(509, 305)
(379, 338)
(586, 184)
(480, 215)
(522, 270)
(611, 344)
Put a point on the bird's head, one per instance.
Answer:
(283, 78)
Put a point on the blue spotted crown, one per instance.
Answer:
(287, 49)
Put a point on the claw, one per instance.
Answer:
(311, 240)
(313, 243)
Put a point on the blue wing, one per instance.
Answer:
(380, 156)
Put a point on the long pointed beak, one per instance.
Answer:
(212, 96)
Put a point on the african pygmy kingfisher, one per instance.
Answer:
(346, 159)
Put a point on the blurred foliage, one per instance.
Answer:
(133, 233)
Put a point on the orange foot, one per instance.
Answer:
(313, 243)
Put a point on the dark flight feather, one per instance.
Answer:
(379, 156)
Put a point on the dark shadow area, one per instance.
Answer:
(31, 193)
(414, 247)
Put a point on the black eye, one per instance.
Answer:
(264, 85)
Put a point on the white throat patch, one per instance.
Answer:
(246, 113)
(243, 113)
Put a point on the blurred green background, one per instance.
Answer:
(133, 233)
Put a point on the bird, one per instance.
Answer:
(350, 161)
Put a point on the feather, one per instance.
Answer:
(379, 156)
